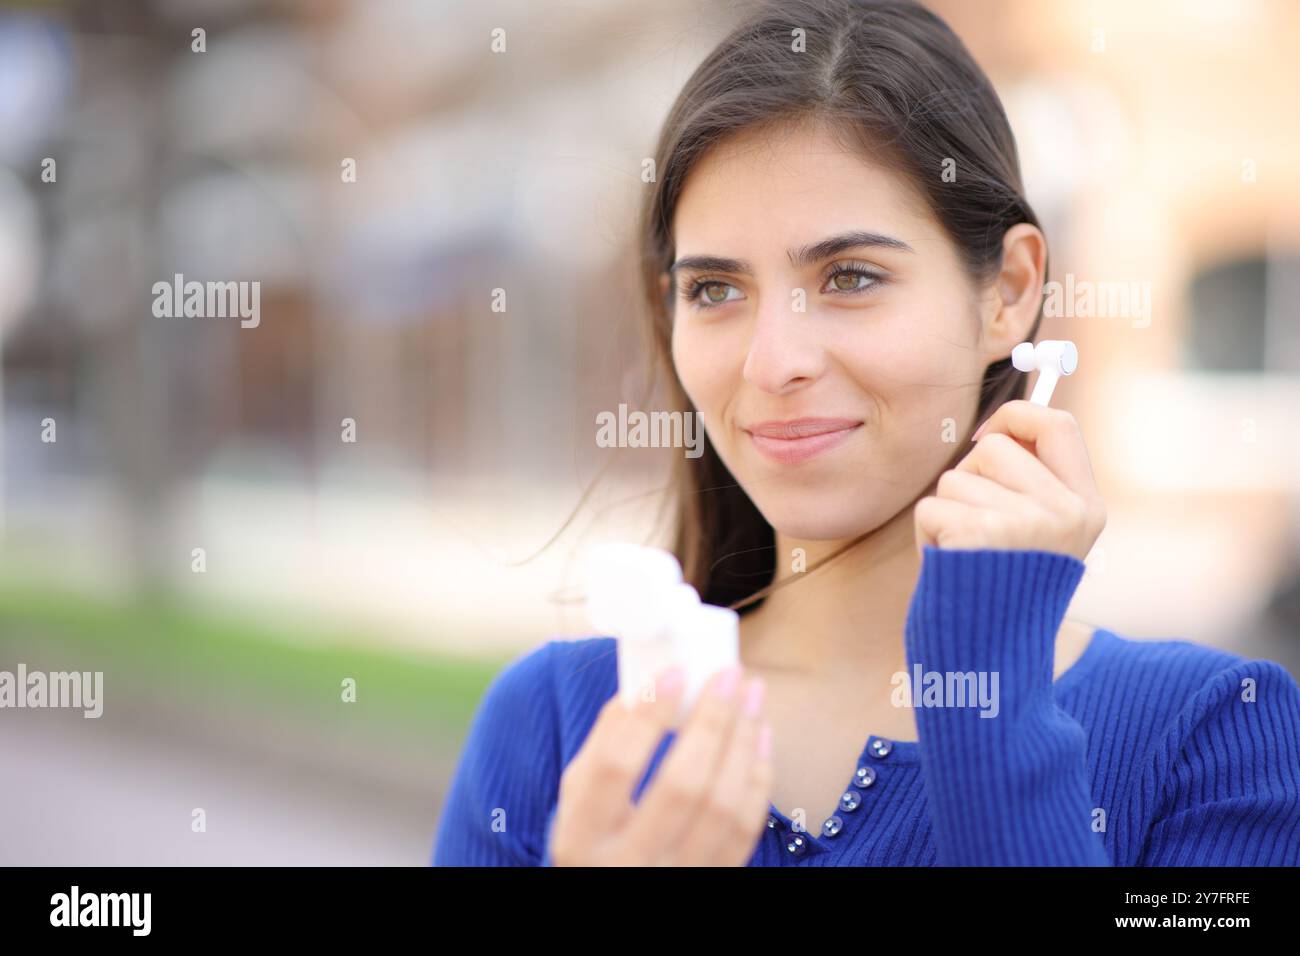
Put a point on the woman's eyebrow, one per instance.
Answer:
(804, 256)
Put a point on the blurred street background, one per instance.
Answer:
(1159, 142)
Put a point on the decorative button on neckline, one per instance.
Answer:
(865, 777)
(796, 843)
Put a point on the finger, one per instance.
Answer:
(666, 809)
(755, 804)
(944, 523)
(1056, 435)
(958, 484)
(728, 822)
(596, 788)
(999, 458)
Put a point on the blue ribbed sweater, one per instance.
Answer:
(1143, 753)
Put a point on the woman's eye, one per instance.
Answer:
(846, 280)
(707, 295)
(852, 280)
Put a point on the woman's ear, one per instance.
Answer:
(1014, 297)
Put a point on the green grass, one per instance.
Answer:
(207, 655)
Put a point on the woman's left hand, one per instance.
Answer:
(1027, 484)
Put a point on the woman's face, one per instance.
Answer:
(878, 339)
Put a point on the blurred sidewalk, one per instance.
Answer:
(120, 791)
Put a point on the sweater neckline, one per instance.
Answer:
(882, 751)
(1085, 662)
(908, 751)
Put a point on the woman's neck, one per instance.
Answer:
(849, 614)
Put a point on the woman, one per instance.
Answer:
(838, 260)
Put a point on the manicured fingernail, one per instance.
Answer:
(671, 680)
(727, 681)
(765, 742)
(754, 697)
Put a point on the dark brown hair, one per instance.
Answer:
(892, 77)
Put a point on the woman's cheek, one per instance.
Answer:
(701, 354)
(682, 355)
(918, 371)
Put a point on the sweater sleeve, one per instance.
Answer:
(496, 810)
(1006, 784)
(1228, 774)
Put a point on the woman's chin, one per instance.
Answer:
(818, 523)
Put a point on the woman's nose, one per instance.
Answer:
(783, 350)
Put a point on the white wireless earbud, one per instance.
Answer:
(1052, 358)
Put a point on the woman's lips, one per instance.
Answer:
(797, 440)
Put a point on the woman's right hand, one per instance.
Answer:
(707, 803)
